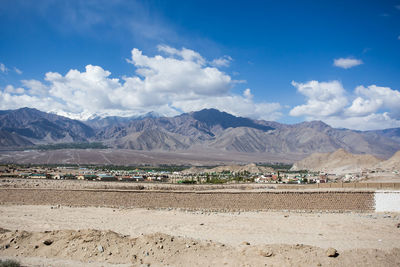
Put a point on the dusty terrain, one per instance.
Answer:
(82, 223)
(200, 157)
(342, 162)
(180, 238)
(338, 162)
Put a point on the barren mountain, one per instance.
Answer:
(211, 128)
(251, 168)
(204, 130)
(8, 139)
(391, 164)
(337, 162)
(41, 127)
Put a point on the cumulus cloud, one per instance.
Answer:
(346, 63)
(10, 89)
(323, 98)
(35, 87)
(173, 81)
(381, 98)
(371, 107)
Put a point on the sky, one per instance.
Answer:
(286, 61)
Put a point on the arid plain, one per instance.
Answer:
(80, 223)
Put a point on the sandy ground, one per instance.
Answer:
(293, 238)
(196, 157)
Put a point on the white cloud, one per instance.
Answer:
(362, 107)
(177, 80)
(247, 93)
(323, 98)
(373, 121)
(18, 71)
(3, 68)
(224, 61)
(372, 107)
(234, 104)
(10, 89)
(388, 98)
(185, 54)
(12, 101)
(346, 63)
(35, 87)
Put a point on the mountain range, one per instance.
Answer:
(208, 128)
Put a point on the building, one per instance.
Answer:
(87, 177)
(40, 176)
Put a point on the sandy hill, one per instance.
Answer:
(338, 162)
(251, 168)
(391, 164)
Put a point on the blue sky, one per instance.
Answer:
(272, 60)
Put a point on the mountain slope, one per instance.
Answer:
(13, 140)
(207, 130)
(337, 162)
(41, 127)
(393, 163)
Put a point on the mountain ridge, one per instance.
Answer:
(207, 128)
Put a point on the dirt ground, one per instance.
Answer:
(56, 223)
(90, 236)
(196, 157)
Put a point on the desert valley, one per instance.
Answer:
(199, 133)
(175, 199)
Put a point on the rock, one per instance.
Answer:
(100, 248)
(246, 243)
(331, 252)
(266, 253)
(48, 242)
(398, 225)
(16, 247)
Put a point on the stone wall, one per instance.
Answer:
(225, 201)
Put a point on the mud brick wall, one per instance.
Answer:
(226, 201)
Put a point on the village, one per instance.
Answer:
(250, 173)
